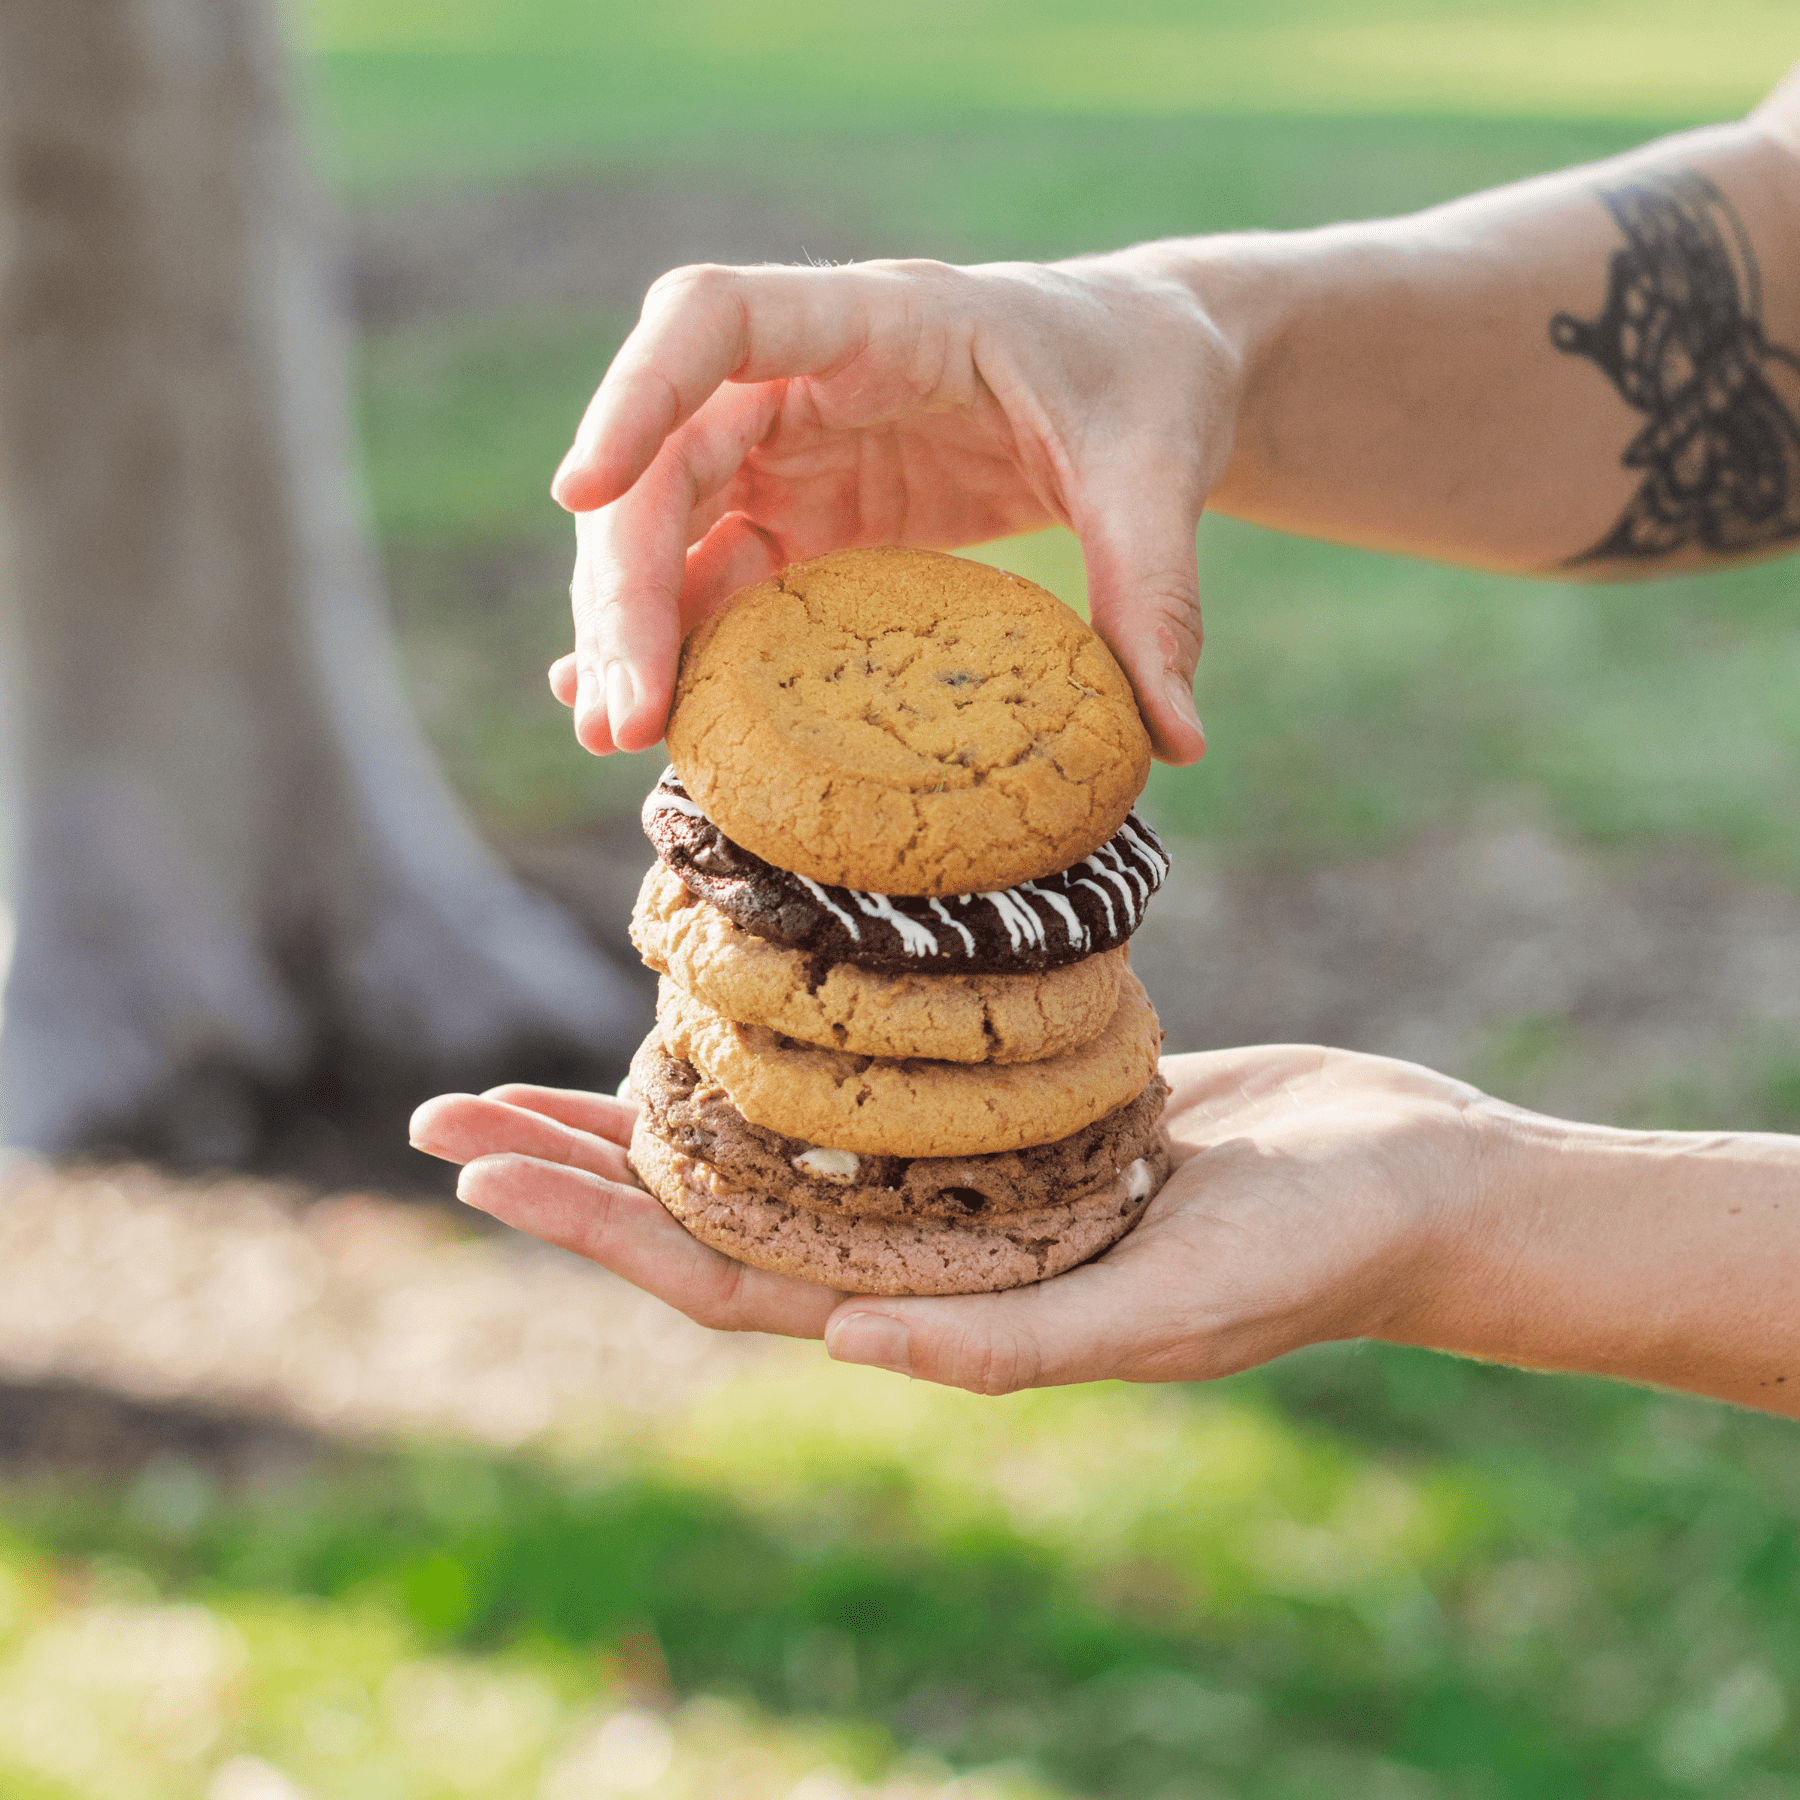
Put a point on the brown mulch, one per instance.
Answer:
(353, 1317)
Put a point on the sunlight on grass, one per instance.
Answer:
(109, 1692)
(1241, 1503)
(1380, 1571)
(1646, 60)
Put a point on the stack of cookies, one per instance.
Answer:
(898, 1048)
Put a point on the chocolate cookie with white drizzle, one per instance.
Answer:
(1094, 905)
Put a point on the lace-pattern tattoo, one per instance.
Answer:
(1682, 340)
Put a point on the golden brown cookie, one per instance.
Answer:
(905, 722)
(914, 1107)
(951, 1018)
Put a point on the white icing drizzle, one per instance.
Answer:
(1118, 880)
(832, 907)
(968, 937)
(1023, 926)
(1105, 900)
(915, 939)
(1141, 847)
(1125, 868)
(1017, 908)
(1078, 932)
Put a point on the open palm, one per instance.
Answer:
(1307, 1181)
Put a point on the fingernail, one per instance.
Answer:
(559, 482)
(1181, 696)
(590, 709)
(872, 1339)
(621, 696)
(464, 1183)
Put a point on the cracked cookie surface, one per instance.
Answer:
(837, 1006)
(912, 1106)
(905, 722)
(891, 1226)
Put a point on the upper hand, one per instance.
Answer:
(1314, 1193)
(760, 416)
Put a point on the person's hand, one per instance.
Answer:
(1313, 1194)
(761, 416)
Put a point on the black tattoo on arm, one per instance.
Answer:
(1682, 340)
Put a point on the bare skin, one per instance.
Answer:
(1472, 383)
(1318, 1195)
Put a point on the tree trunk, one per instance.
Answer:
(238, 881)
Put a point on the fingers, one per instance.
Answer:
(734, 554)
(703, 326)
(627, 1231)
(626, 643)
(1137, 536)
(602, 1114)
(551, 1162)
(462, 1127)
(631, 571)
(1108, 1320)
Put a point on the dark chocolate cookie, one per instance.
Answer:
(1091, 907)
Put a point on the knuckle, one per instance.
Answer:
(723, 1307)
(994, 1363)
(599, 1226)
(921, 268)
(695, 287)
(1170, 601)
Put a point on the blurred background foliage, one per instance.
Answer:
(1366, 1572)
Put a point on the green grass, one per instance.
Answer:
(113, 1690)
(1375, 1572)
(1354, 698)
(417, 92)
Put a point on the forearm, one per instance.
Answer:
(1452, 384)
(1663, 1257)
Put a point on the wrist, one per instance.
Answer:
(1236, 282)
(1663, 1257)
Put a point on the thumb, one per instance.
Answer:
(1144, 599)
(1095, 1323)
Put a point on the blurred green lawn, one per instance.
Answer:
(1365, 1575)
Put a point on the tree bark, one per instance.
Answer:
(237, 878)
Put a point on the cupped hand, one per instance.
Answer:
(760, 416)
(1318, 1195)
